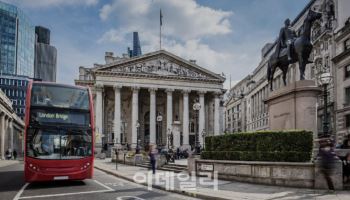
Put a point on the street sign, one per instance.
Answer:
(206, 167)
(197, 106)
(159, 118)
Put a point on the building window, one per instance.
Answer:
(347, 44)
(347, 96)
(347, 121)
(347, 71)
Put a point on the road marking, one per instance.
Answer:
(103, 185)
(20, 191)
(18, 196)
(64, 194)
(128, 197)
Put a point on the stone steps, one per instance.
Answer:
(174, 167)
(168, 167)
(178, 167)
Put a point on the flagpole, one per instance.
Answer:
(160, 29)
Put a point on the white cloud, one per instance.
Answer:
(113, 35)
(185, 25)
(105, 11)
(181, 19)
(51, 3)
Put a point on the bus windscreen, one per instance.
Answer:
(58, 144)
(59, 97)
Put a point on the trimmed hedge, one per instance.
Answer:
(281, 146)
(289, 156)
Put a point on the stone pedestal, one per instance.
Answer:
(191, 163)
(294, 107)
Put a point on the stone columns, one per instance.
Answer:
(134, 116)
(152, 116)
(10, 128)
(2, 135)
(169, 114)
(185, 120)
(99, 115)
(216, 114)
(201, 117)
(6, 133)
(117, 114)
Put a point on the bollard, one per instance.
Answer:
(116, 158)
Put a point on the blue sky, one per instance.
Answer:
(222, 35)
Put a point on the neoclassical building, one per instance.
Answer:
(11, 127)
(245, 109)
(150, 99)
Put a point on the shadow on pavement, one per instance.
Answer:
(54, 184)
(11, 180)
(146, 194)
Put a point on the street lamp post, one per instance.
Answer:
(138, 136)
(203, 136)
(196, 108)
(122, 137)
(324, 80)
(159, 132)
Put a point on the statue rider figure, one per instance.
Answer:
(286, 38)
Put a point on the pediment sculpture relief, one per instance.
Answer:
(161, 67)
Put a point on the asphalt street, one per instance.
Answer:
(102, 187)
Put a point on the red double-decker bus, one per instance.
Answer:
(59, 132)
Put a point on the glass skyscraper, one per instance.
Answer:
(136, 51)
(45, 62)
(17, 39)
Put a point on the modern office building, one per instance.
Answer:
(16, 43)
(45, 62)
(15, 88)
(136, 51)
(17, 39)
(136, 45)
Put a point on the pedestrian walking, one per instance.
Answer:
(178, 153)
(328, 158)
(152, 156)
(8, 154)
(346, 168)
(14, 154)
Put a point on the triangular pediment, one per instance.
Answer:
(161, 63)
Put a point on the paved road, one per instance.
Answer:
(102, 187)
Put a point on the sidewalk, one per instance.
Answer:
(4, 163)
(226, 189)
(181, 162)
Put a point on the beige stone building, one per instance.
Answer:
(342, 87)
(11, 128)
(150, 99)
(330, 53)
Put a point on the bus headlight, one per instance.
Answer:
(85, 166)
(33, 167)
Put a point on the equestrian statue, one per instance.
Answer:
(291, 49)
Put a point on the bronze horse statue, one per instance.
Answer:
(300, 51)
